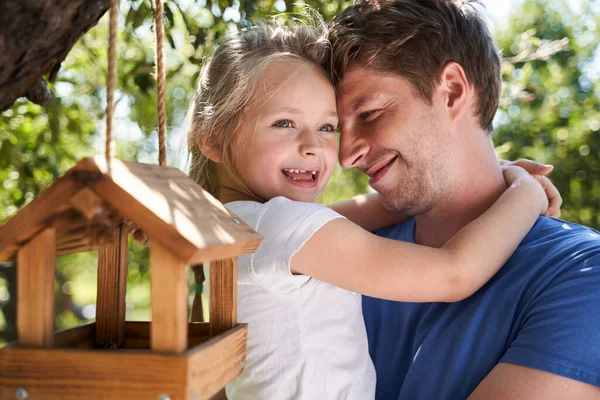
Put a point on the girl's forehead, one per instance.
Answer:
(291, 83)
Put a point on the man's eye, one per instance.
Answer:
(327, 128)
(366, 114)
(284, 123)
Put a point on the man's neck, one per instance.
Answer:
(478, 185)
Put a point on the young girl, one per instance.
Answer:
(263, 141)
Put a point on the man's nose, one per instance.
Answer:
(310, 144)
(353, 149)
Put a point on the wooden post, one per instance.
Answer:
(168, 281)
(112, 282)
(223, 295)
(36, 266)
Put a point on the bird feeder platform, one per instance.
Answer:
(89, 208)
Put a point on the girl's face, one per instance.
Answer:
(286, 144)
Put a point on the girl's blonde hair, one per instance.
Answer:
(230, 79)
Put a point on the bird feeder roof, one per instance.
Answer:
(169, 207)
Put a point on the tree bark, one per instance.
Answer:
(35, 37)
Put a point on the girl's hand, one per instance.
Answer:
(517, 177)
(539, 172)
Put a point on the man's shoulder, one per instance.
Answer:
(555, 253)
(555, 235)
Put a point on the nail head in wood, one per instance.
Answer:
(21, 394)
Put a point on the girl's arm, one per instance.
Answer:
(347, 256)
(368, 212)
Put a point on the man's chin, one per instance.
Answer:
(402, 205)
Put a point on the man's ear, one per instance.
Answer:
(456, 89)
(210, 151)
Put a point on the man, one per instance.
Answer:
(418, 85)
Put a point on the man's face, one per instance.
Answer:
(396, 138)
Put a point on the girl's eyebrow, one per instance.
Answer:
(294, 110)
(287, 109)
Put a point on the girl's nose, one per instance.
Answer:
(310, 145)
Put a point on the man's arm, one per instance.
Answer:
(510, 381)
(556, 352)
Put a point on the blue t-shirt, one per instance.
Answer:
(541, 310)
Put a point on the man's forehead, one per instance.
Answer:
(360, 86)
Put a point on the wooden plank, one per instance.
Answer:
(80, 336)
(71, 374)
(137, 334)
(36, 265)
(112, 282)
(75, 233)
(172, 209)
(87, 203)
(31, 219)
(169, 292)
(223, 295)
(217, 362)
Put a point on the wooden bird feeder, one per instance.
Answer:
(166, 358)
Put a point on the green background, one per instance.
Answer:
(549, 111)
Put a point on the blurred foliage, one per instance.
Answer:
(550, 107)
(549, 111)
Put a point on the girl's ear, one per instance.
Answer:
(210, 151)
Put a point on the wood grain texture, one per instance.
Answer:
(70, 374)
(169, 293)
(223, 295)
(217, 362)
(35, 216)
(112, 283)
(35, 290)
(137, 334)
(82, 336)
(88, 203)
(172, 209)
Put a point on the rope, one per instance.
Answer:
(197, 314)
(160, 81)
(112, 74)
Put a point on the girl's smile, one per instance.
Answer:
(286, 144)
(302, 177)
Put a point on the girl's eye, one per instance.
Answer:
(284, 123)
(328, 128)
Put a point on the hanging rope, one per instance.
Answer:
(196, 314)
(140, 236)
(111, 75)
(160, 81)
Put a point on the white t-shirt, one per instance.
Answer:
(306, 338)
